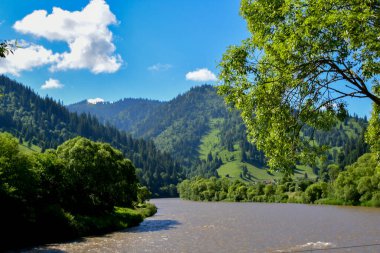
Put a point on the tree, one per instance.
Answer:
(6, 48)
(373, 132)
(16, 179)
(143, 194)
(303, 60)
(96, 176)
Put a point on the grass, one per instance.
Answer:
(120, 218)
(232, 166)
(302, 169)
(25, 148)
(210, 142)
(234, 169)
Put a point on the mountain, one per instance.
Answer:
(209, 139)
(123, 113)
(179, 123)
(45, 123)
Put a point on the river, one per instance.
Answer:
(187, 226)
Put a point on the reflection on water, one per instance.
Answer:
(154, 225)
(186, 226)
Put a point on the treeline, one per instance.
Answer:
(358, 184)
(46, 123)
(65, 193)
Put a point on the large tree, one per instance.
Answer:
(303, 60)
(96, 176)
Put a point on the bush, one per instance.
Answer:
(315, 191)
(295, 197)
(329, 201)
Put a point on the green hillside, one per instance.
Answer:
(209, 139)
(29, 148)
(232, 166)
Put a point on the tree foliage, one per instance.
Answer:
(63, 193)
(302, 60)
(373, 132)
(97, 175)
(6, 48)
(360, 183)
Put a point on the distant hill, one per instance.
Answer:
(45, 123)
(123, 114)
(209, 139)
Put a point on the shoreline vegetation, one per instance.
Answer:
(77, 227)
(358, 184)
(81, 188)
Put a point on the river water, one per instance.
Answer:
(186, 226)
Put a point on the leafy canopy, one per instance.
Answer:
(6, 47)
(97, 175)
(303, 59)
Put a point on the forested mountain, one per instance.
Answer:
(123, 114)
(46, 123)
(209, 139)
(179, 123)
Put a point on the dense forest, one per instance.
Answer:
(47, 124)
(209, 139)
(81, 188)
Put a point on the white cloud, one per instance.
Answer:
(86, 33)
(201, 75)
(159, 67)
(95, 100)
(26, 58)
(52, 84)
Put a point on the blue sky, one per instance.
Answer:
(157, 44)
(111, 49)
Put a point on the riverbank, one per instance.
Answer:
(65, 226)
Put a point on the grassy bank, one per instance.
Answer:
(119, 219)
(55, 225)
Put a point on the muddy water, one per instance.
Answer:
(186, 226)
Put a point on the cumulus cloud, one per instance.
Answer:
(201, 75)
(25, 58)
(159, 67)
(95, 100)
(86, 33)
(52, 84)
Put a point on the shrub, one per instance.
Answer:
(315, 191)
